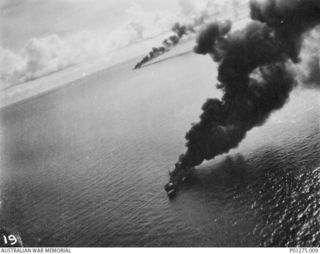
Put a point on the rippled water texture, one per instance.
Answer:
(85, 166)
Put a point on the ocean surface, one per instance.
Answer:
(85, 165)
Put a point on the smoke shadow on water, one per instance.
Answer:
(267, 198)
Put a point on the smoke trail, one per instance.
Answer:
(179, 31)
(197, 16)
(254, 72)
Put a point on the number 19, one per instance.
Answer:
(11, 238)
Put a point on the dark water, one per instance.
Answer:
(86, 165)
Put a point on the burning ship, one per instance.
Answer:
(177, 177)
(255, 74)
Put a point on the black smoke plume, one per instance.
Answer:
(179, 31)
(254, 72)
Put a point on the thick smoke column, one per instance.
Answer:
(254, 73)
(179, 31)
